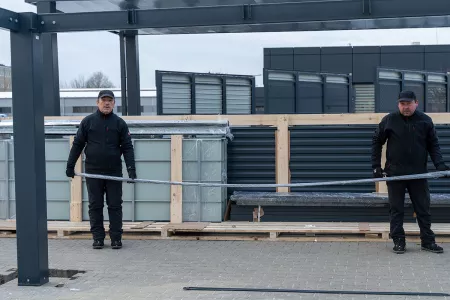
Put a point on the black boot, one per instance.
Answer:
(399, 246)
(98, 244)
(432, 247)
(116, 244)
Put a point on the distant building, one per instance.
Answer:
(81, 102)
(5, 78)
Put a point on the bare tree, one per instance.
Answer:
(99, 80)
(78, 83)
(96, 80)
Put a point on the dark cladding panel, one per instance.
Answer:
(310, 94)
(267, 58)
(401, 57)
(282, 58)
(437, 58)
(307, 59)
(280, 92)
(365, 62)
(336, 60)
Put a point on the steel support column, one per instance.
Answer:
(123, 75)
(51, 69)
(29, 155)
(132, 74)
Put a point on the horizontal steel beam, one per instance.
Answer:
(9, 20)
(310, 15)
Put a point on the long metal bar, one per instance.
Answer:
(431, 175)
(298, 291)
(8, 206)
(51, 69)
(9, 20)
(29, 157)
(309, 15)
(123, 75)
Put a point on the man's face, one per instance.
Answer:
(105, 104)
(407, 108)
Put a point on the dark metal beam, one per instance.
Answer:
(310, 15)
(51, 69)
(123, 74)
(29, 156)
(132, 71)
(9, 20)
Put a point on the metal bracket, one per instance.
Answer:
(132, 17)
(367, 7)
(247, 12)
(9, 20)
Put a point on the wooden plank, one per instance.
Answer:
(76, 192)
(282, 153)
(271, 120)
(176, 174)
(364, 227)
(142, 225)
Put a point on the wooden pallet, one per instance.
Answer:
(283, 231)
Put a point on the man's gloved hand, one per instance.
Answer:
(132, 174)
(443, 167)
(378, 173)
(70, 172)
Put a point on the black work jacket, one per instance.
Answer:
(104, 139)
(409, 141)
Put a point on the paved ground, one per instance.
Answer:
(160, 269)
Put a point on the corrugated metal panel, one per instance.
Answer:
(239, 96)
(281, 76)
(441, 185)
(389, 74)
(324, 153)
(309, 78)
(364, 98)
(251, 156)
(208, 95)
(330, 214)
(176, 94)
(414, 76)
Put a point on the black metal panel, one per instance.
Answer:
(251, 157)
(331, 152)
(330, 214)
(282, 58)
(9, 20)
(441, 185)
(132, 69)
(259, 100)
(431, 89)
(306, 92)
(336, 60)
(437, 58)
(307, 59)
(365, 62)
(401, 57)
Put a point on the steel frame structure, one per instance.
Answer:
(35, 72)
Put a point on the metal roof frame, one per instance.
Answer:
(35, 72)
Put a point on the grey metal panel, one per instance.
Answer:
(364, 98)
(208, 95)
(331, 152)
(239, 96)
(441, 185)
(176, 94)
(251, 156)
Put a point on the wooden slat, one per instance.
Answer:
(176, 174)
(282, 153)
(76, 190)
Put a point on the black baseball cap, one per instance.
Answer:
(407, 96)
(106, 93)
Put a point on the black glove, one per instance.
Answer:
(378, 173)
(132, 174)
(443, 167)
(70, 172)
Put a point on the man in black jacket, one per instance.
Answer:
(410, 136)
(104, 137)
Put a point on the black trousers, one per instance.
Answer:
(419, 194)
(97, 188)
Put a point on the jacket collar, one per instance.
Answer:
(100, 114)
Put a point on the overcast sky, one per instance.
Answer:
(220, 53)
